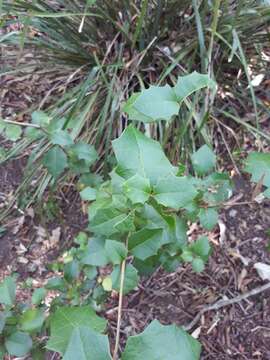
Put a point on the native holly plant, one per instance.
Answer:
(137, 221)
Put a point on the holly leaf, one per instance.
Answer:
(203, 160)
(137, 189)
(159, 342)
(61, 137)
(18, 344)
(173, 228)
(8, 291)
(32, 320)
(3, 317)
(216, 188)
(13, 132)
(116, 251)
(38, 118)
(188, 84)
(84, 151)
(55, 161)
(145, 243)
(208, 218)
(258, 165)
(157, 103)
(131, 278)
(106, 221)
(88, 194)
(174, 192)
(67, 319)
(86, 344)
(138, 154)
(95, 254)
(201, 247)
(126, 224)
(38, 296)
(197, 265)
(132, 112)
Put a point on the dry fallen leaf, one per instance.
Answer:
(263, 270)
(55, 237)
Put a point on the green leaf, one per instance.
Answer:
(66, 320)
(38, 296)
(38, 118)
(71, 270)
(174, 192)
(201, 247)
(55, 161)
(86, 344)
(95, 254)
(131, 278)
(85, 152)
(216, 188)
(81, 239)
(8, 291)
(188, 84)
(107, 284)
(203, 160)
(56, 283)
(18, 344)
(145, 243)
(197, 265)
(126, 224)
(157, 102)
(88, 194)
(3, 317)
(105, 221)
(61, 137)
(174, 229)
(258, 165)
(77, 166)
(2, 352)
(132, 112)
(208, 218)
(116, 251)
(159, 342)
(137, 153)
(137, 189)
(13, 132)
(31, 320)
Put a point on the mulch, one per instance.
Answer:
(239, 331)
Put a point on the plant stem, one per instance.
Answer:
(120, 304)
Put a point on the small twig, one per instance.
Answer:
(222, 303)
(22, 124)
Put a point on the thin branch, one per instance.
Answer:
(222, 303)
(22, 124)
